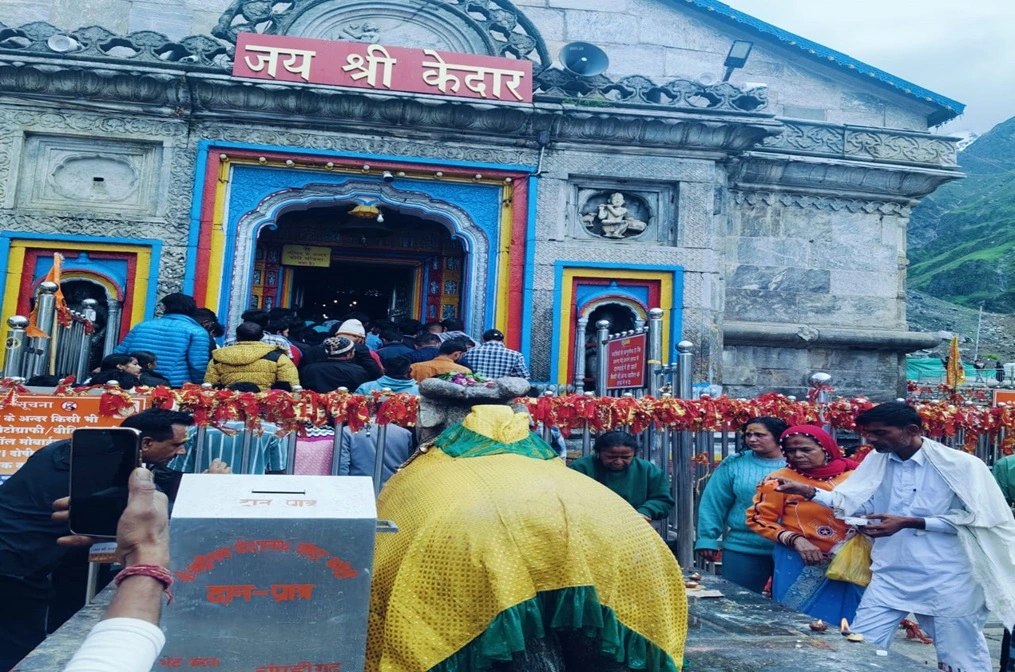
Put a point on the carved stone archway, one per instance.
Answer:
(420, 204)
(486, 27)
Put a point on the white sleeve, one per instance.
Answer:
(119, 645)
(824, 498)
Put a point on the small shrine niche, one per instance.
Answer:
(615, 215)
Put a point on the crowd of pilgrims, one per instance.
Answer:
(768, 513)
(278, 349)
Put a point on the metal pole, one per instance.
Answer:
(112, 326)
(84, 354)
(291, 439)
(379, 450)
(248, 438)
(200, 438)
(683, 473)
(655, 349)
(821, 380)
(579, 354)
(38, 360)
(602, 366)
(336, 451)
(16, 345)
(976, 349)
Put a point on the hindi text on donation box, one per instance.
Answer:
(268, 569)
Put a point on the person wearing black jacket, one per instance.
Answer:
(393, 346)
(339, 369)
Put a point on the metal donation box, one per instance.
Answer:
(272, 573)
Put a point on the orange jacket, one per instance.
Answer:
(774, 512)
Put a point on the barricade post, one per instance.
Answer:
(15, 347)
(683, 474)
(37, 362)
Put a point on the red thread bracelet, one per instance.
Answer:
(160, 574)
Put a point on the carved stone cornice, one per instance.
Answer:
(766, 199)
(864, 143)
(204, 95)
(842, 178)
(807, 336)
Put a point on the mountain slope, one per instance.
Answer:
(962, 237)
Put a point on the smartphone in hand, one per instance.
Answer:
(101, 461)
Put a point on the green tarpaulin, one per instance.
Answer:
(932, 370)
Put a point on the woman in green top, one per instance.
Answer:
(638, 481)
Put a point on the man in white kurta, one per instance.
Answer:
(944, 538)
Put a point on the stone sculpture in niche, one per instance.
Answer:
(368, 31)
(614, 217)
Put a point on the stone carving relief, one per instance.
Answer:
(635, 212)
(679, 93)
(763, 199)
(99, 178)
(615, 216)
(491, 27)
(89, 173)
(98, 43)
(866, 144)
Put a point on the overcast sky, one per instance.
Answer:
(963, 49)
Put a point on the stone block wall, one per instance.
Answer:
(653, 38)
(749, 371)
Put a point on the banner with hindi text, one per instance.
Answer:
(372, 66)
(35, 421)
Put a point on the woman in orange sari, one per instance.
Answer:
(806, 533)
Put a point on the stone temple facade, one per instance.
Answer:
(765, 215)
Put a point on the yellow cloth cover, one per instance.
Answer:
(480, 535)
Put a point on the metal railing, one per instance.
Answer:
(64, 350)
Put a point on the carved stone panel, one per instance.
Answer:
(88, 174)
(618, 213)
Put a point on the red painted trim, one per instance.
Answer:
(516, 259)
(29, 282)
(204, 235)
(516, 254)
(654, 293)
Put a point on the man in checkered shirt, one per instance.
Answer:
(494, 360)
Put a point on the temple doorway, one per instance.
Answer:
(334, 260)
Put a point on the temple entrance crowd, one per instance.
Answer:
(933, 529)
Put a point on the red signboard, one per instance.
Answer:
(1006, 397)
(625, 362)
(372, 66)
(34, 421)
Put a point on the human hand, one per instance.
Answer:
(647, 518)
(217, 466)
(61, 513)
(793, 488)
(811, 554)
(888, 524)
(709, 554)
(142, 535)
(146, 508)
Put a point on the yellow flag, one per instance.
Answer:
(955, 373)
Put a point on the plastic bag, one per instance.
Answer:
(853, 562)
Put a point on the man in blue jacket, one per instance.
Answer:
(182, 347)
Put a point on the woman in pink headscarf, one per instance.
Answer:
(806, 533)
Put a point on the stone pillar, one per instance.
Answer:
(579, 354)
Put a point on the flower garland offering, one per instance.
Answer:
(951, 416)
(466, 379)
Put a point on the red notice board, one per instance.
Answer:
(625, 362)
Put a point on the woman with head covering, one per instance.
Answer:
(806, 533)
(722, 513)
